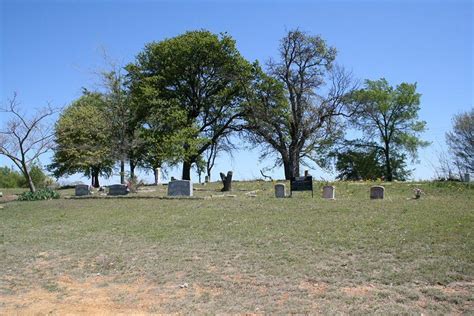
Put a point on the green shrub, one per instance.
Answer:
(9, 178)
(43, 194)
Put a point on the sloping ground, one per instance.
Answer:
(241, 254)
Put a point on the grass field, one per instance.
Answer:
(242, 254)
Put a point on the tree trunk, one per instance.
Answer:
(132, 169)
(92, 178)
(388, 164)
(27, 175)
(122, 171)
(186, 170)
(226, 181)
(291, 166)
(95, 178)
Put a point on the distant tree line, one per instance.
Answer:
(185, 100)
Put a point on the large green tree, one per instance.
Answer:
(388, 117)
(200, 72)
(84, 140)
(294, 107)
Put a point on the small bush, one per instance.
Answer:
(134, 184)
(43, 194)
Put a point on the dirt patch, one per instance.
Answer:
(363, 290)
(100, 295)
(9, 198)
(314, 288)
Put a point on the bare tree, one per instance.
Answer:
(294, 109)
(222, 144)
(24, 138)
(461, 142)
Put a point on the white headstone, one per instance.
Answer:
(280, 190)
(329, 192)
(180, 188)
(377, 192)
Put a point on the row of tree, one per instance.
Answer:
(186, 99)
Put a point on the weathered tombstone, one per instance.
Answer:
(180, 188)
(118, 189)
(377, 192)
(280, 191)
(226, 181)
(206, 179)
(329, 192)
(81, 190)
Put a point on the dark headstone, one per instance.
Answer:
(81, 190)
(118, 189)
(377, 192)
(180, 188)
(280, 190)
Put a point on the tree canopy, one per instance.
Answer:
(83, 139)
(388, 117)
(201, 73)
(294, 107)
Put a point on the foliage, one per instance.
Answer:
(293, 109)
(83, 139)
(42, 194)
(389, 117)
(366, 162)
(461, 141)
(134, 184)
(10, 178)
(122, 119)
(202, 76)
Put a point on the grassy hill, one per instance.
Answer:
(242, 254)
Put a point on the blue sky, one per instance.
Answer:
(51, 49)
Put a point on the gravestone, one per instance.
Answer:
(180, 188)
(280, 191)
(301, 184)
(329, 192)
(81, 190)
(118, 189)
(377, 192)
